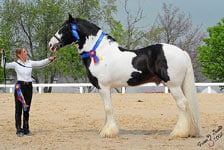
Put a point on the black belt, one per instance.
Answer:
(24, 82)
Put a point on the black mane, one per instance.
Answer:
(87, 28)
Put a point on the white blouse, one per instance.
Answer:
(24, 71)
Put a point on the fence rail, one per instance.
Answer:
(82, 85)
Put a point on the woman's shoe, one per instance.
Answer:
(27, 133)
(19, 133)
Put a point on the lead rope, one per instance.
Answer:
(4, 74)
(4, 70)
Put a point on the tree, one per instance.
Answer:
(88, 9)
(22, 28)
(31, 24)
(69, 58)
(175, 27)
(2, 45)
(130, 34)
(211, 55)
(45, 25)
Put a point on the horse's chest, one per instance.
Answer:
(116, 68)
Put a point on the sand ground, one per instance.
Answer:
(72, 121)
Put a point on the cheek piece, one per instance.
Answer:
(74, 32)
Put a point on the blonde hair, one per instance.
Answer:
(18, 52)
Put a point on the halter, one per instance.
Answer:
(91, 53)
(74, 33)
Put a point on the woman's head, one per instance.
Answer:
(21, 53)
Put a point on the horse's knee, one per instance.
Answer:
(109, 110)
(178, 95)
(181, 104)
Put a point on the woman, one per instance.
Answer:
(23, 88)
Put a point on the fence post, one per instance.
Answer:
(39, 89)
(10, 90)
(166, 90)
(123, 90)
(80, 89)
(209, 89)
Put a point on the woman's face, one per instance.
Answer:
(23, 54)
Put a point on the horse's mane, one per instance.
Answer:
(90, 28)
(87, 27)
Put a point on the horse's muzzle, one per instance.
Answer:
(55, 47)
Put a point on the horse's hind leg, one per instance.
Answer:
(110, 128)
(182, 127)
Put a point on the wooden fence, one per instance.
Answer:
(82, 85)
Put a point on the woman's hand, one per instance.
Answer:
(2, 51)
(51, 58)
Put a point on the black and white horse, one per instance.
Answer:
(109, 66)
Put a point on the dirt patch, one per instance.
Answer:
(72, 121)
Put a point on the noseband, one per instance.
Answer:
(59, 44)
(59, 40)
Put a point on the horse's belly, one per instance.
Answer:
(116, 77)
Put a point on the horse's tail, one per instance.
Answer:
(191, 96)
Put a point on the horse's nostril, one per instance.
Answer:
(50, 45)
(60, 45)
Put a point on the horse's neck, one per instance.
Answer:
(91, 41)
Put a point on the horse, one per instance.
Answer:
(110, 66)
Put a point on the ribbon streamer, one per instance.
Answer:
(20, 96)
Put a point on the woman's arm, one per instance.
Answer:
(7, 65)
(42, 63)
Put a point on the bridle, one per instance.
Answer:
(91, 53)
(74, 34)
(59, 44)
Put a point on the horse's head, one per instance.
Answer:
(74, 30)
(64, 35)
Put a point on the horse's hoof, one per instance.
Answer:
(178, 135)
(108, 135)
(195, 133)
(109, 132)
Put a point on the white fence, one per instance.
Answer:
(82, 85)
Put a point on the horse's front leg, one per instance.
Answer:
(110, 128)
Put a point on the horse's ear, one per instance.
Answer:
(70, 19)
